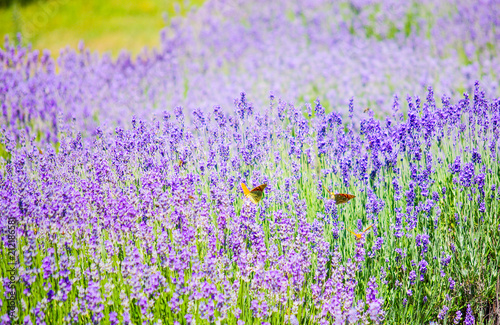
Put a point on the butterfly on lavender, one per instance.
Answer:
(254, 195)
(341, 198)
(359, 236)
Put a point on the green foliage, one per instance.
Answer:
(105, 26)
(8, 3)
(4, 153)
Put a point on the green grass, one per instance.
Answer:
(104, 26)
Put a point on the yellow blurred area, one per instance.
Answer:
(104, 26)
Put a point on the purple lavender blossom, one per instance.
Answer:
(469, 317)
(443, 312)
(412, 276)
(455, 167)
(374, 305)
(378, 243)
(467, 175)
(422, 240)
(458, 317)
(422, 265)
(452, 283)
(113, 318)
(445, 259)
(476, 156)
(48, 264)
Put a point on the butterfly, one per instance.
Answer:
(341, 198)
(254, 195)
(189, 198)
(358, 236)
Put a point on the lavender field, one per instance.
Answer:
(120, 179)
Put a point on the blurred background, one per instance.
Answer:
(104, 26)
(349, 54)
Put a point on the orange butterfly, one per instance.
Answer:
(254, 195)
(358, 236)
(341, 198)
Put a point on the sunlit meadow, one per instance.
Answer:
(123, 176)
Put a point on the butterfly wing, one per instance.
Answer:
(256, 194)
(245, 189)
(259, 188)
(255, 197)
(355, 234)
(343, 198)
(367, 229)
